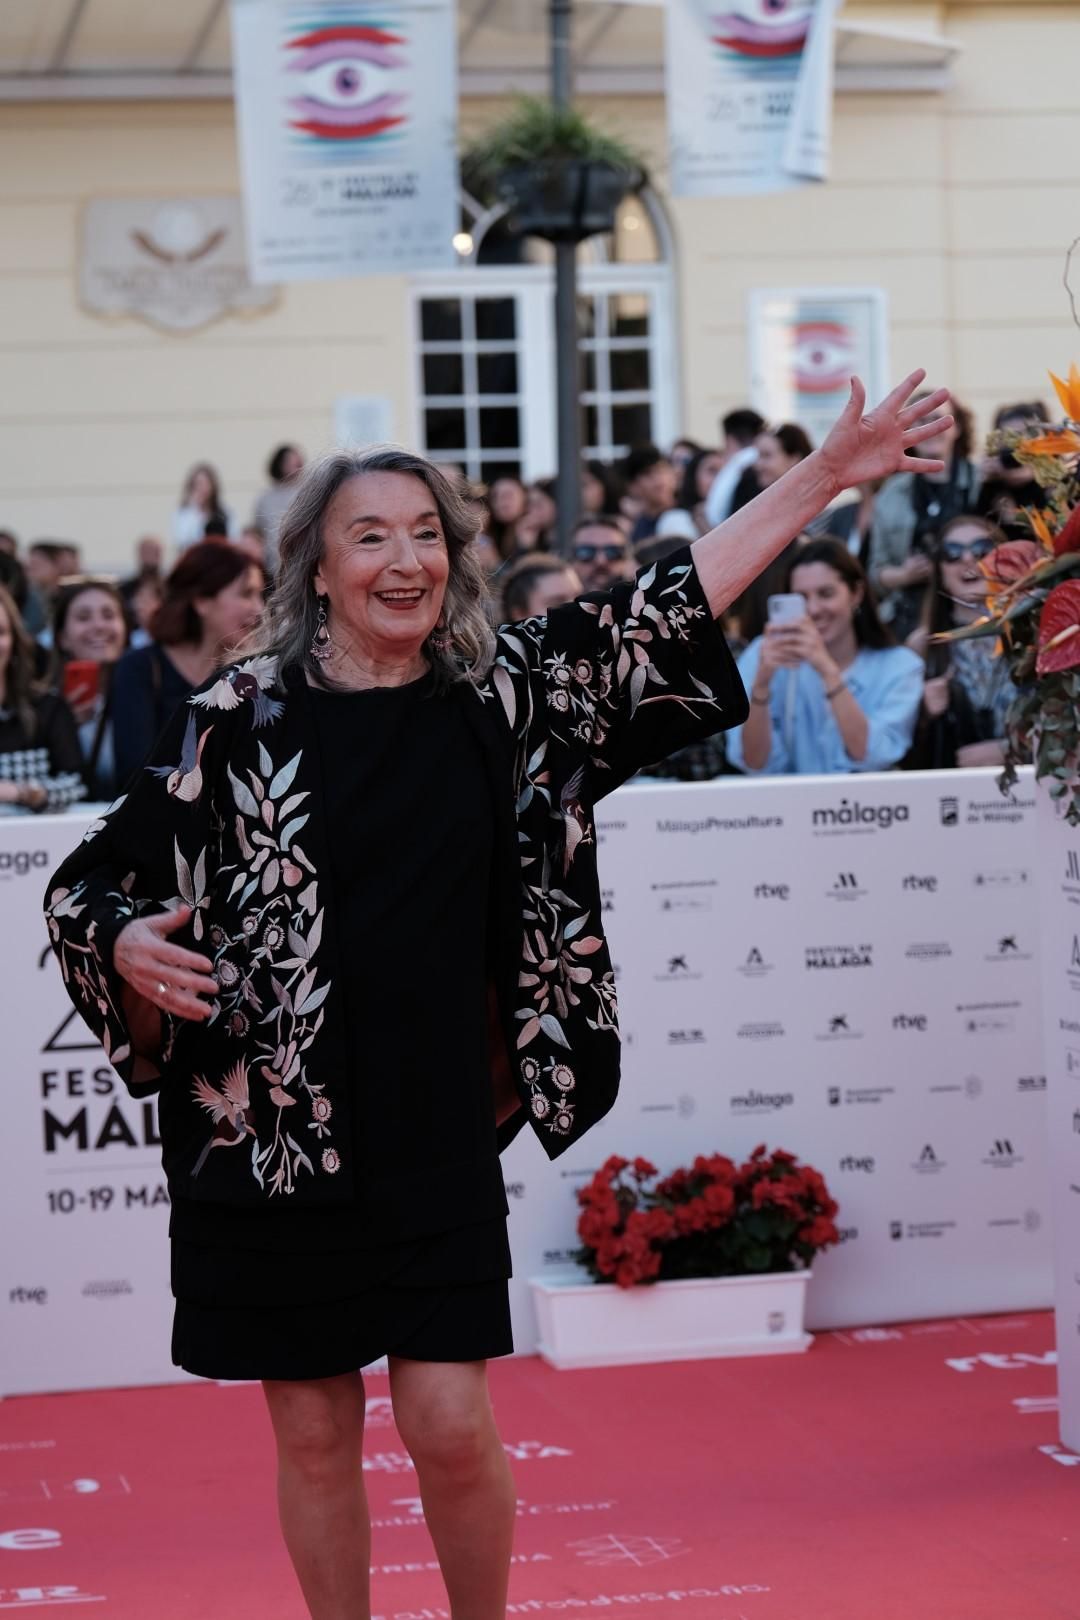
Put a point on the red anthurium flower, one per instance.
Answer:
(1009, 562)
(1068, 536)
(1059, 629)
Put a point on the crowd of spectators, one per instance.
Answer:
(836, 640)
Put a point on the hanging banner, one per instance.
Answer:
(347, 120)
(806, 344)
(749, 94)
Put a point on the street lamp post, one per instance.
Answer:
(567, 363)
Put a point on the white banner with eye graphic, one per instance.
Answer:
(806, 344)
(347, 121)
(749, 94)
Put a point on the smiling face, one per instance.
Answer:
(831, 604)
(384, 566)
(94, 628)
(960, 553)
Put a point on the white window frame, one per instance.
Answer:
(532, 286)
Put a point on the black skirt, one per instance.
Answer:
(439, 1298)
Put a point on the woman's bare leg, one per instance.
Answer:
(319, 1427)
(443, 1414)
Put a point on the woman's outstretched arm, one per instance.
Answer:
(860, 447)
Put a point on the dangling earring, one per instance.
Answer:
(440, 638)
(321, 647)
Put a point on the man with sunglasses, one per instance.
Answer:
(600, 551)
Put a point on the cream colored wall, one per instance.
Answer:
(960, 204)
(99, 419)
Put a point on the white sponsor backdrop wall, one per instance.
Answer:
(1059, 896)
(845, 968)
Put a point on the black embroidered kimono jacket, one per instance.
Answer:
(226, 819)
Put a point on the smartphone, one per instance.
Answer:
(785, 608)
(82, 681)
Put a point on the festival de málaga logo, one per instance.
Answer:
(347, 75)
(822, 355)
(763, 30)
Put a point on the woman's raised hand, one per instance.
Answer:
(166, 975)
(873, 445)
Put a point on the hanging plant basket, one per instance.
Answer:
(566, 199)
(561, 175)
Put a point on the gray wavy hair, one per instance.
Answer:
(293, 609)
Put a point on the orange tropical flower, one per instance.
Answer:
(1063, 443)
(1069, 393)
(1040, 527)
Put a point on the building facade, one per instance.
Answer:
(959, 201)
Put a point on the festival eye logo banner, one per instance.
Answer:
(805, 346)
(749, 94)
(347, 118)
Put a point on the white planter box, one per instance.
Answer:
(587, 1324)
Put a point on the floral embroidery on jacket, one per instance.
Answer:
(582, 701)
(226, 820)
(265, 936)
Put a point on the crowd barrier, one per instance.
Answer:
(844, 967)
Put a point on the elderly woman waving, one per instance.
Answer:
(357, 879)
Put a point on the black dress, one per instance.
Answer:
(417, 1267)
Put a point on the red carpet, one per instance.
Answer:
(885, 1475)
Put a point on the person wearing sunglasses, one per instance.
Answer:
(600, 553)
(967, 689)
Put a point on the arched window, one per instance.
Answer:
(485, 344)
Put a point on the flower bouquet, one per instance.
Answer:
(713, 1219)
(1033, 608)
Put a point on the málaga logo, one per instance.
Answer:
(850, 813)
(17, 862)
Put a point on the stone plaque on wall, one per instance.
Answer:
(175, 262)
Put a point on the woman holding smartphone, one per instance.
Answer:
(40, 762)
(90, 632)
(829, 691)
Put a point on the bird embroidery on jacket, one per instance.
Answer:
(251, 679)
(185, 781)
(230, 1109)
(575, 819)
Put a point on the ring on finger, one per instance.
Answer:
(163, 988)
